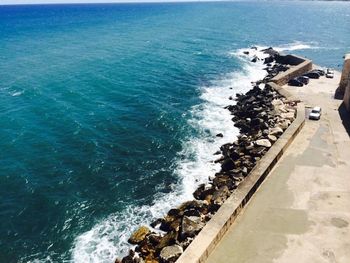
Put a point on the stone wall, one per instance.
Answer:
(200, 248)
(347, 95)
(344, 76)
(299, 66)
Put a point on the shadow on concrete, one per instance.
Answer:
(345, 117)
(338, 95)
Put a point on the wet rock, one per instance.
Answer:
(227, 165)
(156, 223)
(192, 212)
(221, 195)
(222, 180)
(170, 223)
(139, 235)
(167, 240)
(190, 226)
(129, 258)
(220, 159)
(219, 135)
(276, 131)
(255, 59)
(170, 253)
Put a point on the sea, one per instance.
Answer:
(109, 112)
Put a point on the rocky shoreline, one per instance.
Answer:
(262, 115)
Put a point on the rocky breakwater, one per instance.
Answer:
(261, 115)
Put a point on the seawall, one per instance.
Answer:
(344, 84)
(211, 234)
(299, 65)
(344, 75)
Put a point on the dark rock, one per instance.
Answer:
(190, 226)
(129, 258)
(219, 135)
(255, 59)
(170, 223)
(257, 151)
(192, 212)
(227, 165)
(167, 240)
(156, 223)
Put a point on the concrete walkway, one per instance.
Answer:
(301, 213)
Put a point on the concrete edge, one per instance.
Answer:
(283, 77)
(205, 242)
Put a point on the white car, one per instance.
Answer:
(330, 73)
(315, 113)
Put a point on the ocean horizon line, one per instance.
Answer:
(120, 2)
(151, 2)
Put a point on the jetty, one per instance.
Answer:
(283, 191)
(299, 211)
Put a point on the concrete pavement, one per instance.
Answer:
(301, 213)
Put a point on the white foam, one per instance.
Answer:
(297, 45)
(108, 239)
(17, 93)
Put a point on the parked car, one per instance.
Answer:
(330, 73)
(303, 79)
(319, 71)
(312, 75)
(315, 113)
(295, 82)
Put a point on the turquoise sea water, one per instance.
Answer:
(109, 112)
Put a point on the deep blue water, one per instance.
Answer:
(109, 112)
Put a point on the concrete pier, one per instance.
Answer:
(301, 212)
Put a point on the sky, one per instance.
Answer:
(15, 2)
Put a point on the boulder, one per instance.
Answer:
(263, 142)
(219, 135)
(255, 59)
(151, 259)
(167, 240)
(258, 151)
(190, 226)
(219, 196)
(272, 138)
(227, 165)
(276, 131)
(288, 115)
(284, 124)
(170, 223)
(170, 253)
(139, 235)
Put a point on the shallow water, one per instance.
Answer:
(109, 112)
